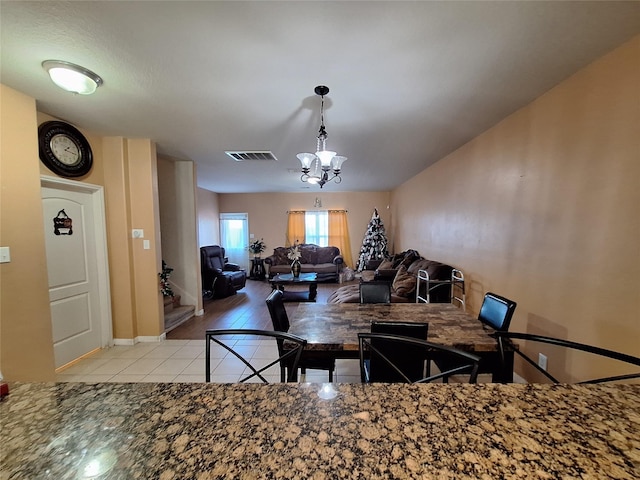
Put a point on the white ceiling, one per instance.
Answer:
(410, 81)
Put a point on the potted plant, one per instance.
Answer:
(257, 247)
(165, 286)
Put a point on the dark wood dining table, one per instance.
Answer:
(331, 330)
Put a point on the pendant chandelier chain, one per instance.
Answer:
(322, 133)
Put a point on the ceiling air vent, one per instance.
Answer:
(244, 156)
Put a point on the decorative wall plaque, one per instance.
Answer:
(62, 224)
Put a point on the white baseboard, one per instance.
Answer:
(143, 339)
(518, 379)
(159, 338)
(199, 313)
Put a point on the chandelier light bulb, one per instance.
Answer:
(325, 157)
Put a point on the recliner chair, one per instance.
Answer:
(219, 278)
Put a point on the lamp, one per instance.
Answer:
(72, 78)
(317, 167)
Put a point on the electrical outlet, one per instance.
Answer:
(542, 361)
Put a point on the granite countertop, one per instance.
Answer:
(209, 431)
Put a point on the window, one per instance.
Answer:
(234, 237)
(316, 228)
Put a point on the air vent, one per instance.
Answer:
(244, 156)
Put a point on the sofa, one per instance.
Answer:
(219, 277)
(326, 262)
(401, 270)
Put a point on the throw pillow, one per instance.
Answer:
(404, 283)
(281, 256)
(410, 257)
(385, 265)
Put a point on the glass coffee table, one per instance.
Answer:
(281, 280)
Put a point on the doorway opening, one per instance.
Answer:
(234, 237)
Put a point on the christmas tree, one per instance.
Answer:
(374, 245)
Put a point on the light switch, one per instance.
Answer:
(5, 255)
(137, 233)
(146, 244)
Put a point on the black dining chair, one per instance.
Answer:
(409, 359)
(375, 292)
(226, 338)
(505, 339)
(496, 311)
(280, 321)
(388, 358)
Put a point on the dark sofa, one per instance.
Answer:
(401, 270)
(326, 262)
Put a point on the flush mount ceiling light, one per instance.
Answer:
(317, 168)
(72, 78)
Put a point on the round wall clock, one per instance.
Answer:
(64, 150)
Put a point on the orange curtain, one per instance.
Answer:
(295, 228)
(339, 234)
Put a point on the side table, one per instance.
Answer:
(257, 269)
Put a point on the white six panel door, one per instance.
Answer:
(73, 275)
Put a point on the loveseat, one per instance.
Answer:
(326, 262)
(401, 270)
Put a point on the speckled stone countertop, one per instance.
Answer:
(209, 431)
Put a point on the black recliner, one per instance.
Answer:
(219, 278)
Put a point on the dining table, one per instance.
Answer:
(171, 431)
(331, 330)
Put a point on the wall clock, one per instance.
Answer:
(64, 150)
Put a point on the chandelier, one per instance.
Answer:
(324, 165)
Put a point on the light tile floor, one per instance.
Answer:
(184, 361)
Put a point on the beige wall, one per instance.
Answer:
(144, 212)
(268, 212)
(543, 209)
(208, 218)
(26, 340)
(178, 224)
(120, 243)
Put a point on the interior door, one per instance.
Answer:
(72, 269)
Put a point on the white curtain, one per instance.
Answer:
(234, 237)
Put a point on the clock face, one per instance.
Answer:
(64, 150)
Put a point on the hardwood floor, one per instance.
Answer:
(246, 309)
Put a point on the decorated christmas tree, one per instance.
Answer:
(374, 245)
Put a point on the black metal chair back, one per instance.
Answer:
(280, 321)
(409, 359)
(289, 357)
(385, 347)
(505, 339)
(497, 311)
(375, 292)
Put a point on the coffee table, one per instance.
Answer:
(279, 281)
